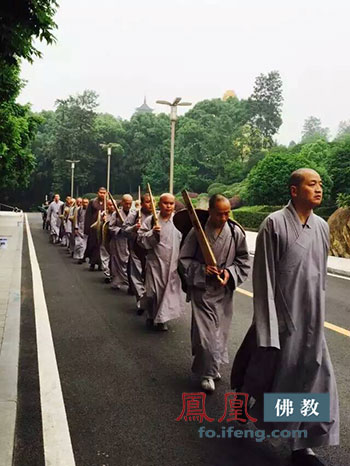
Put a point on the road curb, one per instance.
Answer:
(332, 270)
(9, 355)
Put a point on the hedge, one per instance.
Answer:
(252, 216)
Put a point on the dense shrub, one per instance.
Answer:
(252, 216)
(267, 183)
(325, 212)
(343, 200)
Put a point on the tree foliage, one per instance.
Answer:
(265, 104)
(267, 183)
(20, 23)
(313, 130)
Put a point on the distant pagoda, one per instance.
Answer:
(144, 108)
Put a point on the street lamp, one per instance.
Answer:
(72, 162)
(173, 117)
(109, 153)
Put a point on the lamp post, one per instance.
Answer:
(72, 162)
(173, 117)
(109, 153)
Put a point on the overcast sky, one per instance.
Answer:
(197, 49)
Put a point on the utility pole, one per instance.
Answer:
(72, 162)
(173, 118)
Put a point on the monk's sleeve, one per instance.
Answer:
(191, 269)
(146, 237)
(264, 285)
(128, 227)
(115, 225)
(240, 267)
(88, 218)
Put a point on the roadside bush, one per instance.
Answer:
(325, 212)
(251, 216)
(343, 200)
(267, 183)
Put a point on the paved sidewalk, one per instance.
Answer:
(11, 239)
(336, 265)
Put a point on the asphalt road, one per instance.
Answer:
(122, 384)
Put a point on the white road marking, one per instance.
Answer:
(57, 442)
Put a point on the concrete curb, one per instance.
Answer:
(9, 358)
(336, 265)
(341, 273)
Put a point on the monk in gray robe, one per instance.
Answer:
(73, 220)
(94, 210)
(136, 266)
(80, 236)
(285, 349)
(67, 224)
(53, 218)
(211, 299)
(164, 299)
(118, 245)
(104, 248)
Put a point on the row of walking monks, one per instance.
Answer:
(284, 349)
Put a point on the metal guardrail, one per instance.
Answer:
(9, 208)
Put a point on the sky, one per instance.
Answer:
(198, 49)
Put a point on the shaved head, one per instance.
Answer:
(166, 205)
(219, 210)
(168, 196)
(298, 176)
(306, 189)
(127, 197)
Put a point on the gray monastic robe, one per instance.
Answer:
(119, 251)
(164, 298)
(80, 236)
(136, 272)
(212, 305)
(92, 250)
(53, 213)
(104, 254)
(285, 349)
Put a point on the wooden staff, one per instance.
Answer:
(202, 239)
(117, 212)
(153, 206)
(139, 209)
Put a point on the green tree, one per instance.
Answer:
(267, 183)
(318, 152)
(146, 152)
(74, 140)
(21, 23)
(339, 167)
(17, 130)
(265, 105)
(343, 129)
(313, 130)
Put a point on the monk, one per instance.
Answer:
(211, 298)
(285, 348)
(136, 266)
(53, 213)
(80, 237)
(164, 299)
(93, 245)
(104, 247)
(118, 245)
